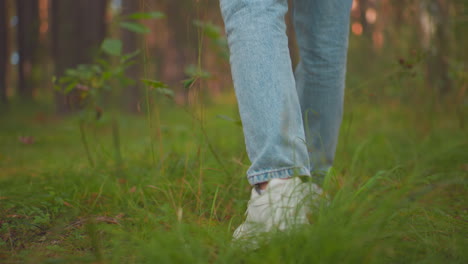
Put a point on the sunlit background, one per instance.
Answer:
(425, 37)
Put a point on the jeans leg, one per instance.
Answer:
(322, 29)
(265, 88)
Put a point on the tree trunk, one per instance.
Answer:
(363, 5)
(78, 28)
(292, 41)
(130, 44)
(92, 27)
(3, 51)
(64, 44)
(28, 40)
(438, 64)
(175, 57)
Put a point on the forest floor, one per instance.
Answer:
(177, 190)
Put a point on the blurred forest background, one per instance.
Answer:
(40, 40)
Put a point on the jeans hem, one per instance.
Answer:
(282, 173)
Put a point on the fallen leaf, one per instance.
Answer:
(28, 140)
(465, 167)
(16, 216)
(122, 181)
(105, 219)
(120, 216)
(100, 219)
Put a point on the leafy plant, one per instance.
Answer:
(216, 37)
(91, 82)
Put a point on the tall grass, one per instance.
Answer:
(398, 194)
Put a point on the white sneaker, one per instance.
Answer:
(282, 206)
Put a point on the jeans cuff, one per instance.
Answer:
(282, 173)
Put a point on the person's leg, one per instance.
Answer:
(265, 88)
(322, 28)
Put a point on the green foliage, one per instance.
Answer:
(238, 122)
(160, 88)
(91, 81)
(146, 15)
(195, 73)
(135, 27)
(397, 193)
(112, 47)
(215, 34)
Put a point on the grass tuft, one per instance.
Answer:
(397, 194)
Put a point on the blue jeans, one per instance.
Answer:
(291, 119)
